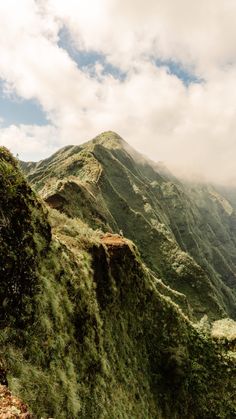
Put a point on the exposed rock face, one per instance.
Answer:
(106, 339)
(184, 232)
(11, 407)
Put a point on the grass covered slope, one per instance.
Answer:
(98, 338)
(184, 232)
(24, 237)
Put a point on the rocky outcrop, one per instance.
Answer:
(96, 334)
(183, 231)
(11, 407)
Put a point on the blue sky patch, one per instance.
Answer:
(14, 110)
(86, 60)
(179, 71)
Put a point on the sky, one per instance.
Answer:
(160, 73)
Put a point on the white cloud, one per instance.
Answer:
(191, 128)
(196, 33)
(30, 142)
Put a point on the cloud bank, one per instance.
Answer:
(189, 125)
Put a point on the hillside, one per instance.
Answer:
(87, 330)
(184, 232)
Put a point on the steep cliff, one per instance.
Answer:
(88, 331)
(185, 232)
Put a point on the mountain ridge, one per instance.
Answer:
(113, 188)
(98, 336)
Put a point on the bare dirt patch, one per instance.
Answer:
(113, 240)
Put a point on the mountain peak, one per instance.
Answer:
(86, 277)
(109, 139)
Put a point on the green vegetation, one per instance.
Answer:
(87, 330)
(24, 233)
(225, 328)
(184, 232)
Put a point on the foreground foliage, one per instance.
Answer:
(86, 330)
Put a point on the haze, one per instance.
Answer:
(160, 73)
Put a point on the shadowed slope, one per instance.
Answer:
(103, 342)
(184, 232)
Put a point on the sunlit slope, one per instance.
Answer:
(185, 233)
(86, 330)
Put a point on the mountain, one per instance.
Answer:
(184, 232)
(87, 329)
